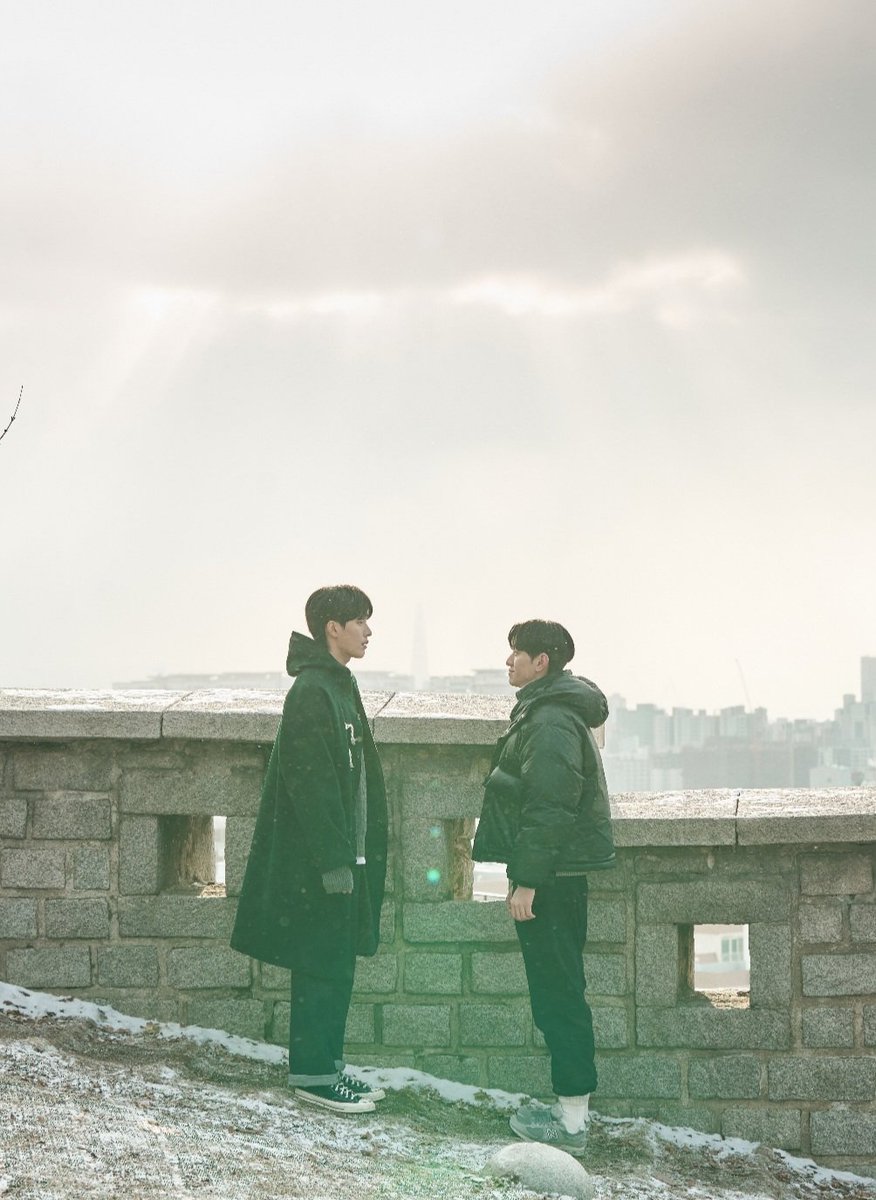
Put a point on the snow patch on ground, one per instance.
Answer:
(103, 1116)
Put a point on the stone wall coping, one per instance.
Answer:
(247, 715)
(682, 818)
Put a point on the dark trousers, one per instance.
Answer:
(322, 990)
(552, 944)
(316, 1027)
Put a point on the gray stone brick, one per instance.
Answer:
(426, 859)
(729, 1077)
(18, 917)
(65, 815)
(32, 869)
(439, 974)
(862, 921)
(644, 1076)
(770, 951)
(606, 920)
(610, 1027)
(657, 964)
(147, 1005)
(72, 918)
(274, 978)
(207, 967)
(530, 1073)
(91, 869)
(80, 767)
(214, 789)
(443, 794)
(238, 839)
(416, 1025)
(776, 1127)
(499, 974)
(870, 1024)
(839, 974)
(176, 916)
(822, 1079)
(821, 922)
(278, 1024)
(457, 1067)
(139, 856)
(54, 968)
(844, 1133)
(688, 1116)
(360, 1024)
(458, 921)
(606, 974)
(835, 874)
(387, 922)
(494, 1024)
(13, 817)
(828, 1027)
(701, 1027)
(377, 974)
(713, 902)
(246, 1018)
(127, 966)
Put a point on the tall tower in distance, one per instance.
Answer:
(868, 680)
(419, 655)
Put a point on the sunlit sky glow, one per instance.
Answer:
(543, 308)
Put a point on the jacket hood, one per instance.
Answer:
(304, 652)
(572, 691)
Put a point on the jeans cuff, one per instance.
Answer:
(312, 1080)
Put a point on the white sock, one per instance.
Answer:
(574, 1112)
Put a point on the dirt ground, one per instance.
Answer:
(89, 1113)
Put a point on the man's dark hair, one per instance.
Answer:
(341, 603)
(543, 637)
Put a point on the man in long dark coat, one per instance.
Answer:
(314, 882)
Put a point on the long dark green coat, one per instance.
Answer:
(305, 826)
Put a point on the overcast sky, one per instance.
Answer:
(505, 308)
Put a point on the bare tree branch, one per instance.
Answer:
(12, 418)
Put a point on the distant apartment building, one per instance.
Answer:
(649, 749)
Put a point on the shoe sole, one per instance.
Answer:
(339, 1106)
(373, 1094)
(521, 1132)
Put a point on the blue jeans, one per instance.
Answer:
(552, 944)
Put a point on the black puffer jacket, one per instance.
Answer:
(306, 824)
(546, 802)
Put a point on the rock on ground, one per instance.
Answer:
(542, 1169)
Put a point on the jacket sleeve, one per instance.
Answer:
(309, 773)
(552, 776)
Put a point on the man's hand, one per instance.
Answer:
(519, 901)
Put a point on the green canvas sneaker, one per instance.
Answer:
(538, 1123)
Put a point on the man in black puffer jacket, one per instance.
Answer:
(546, 814)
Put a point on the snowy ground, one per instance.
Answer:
(94, 1104)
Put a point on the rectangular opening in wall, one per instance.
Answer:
(721, 963)
(489, 880)
(219, 849)
(189, 855)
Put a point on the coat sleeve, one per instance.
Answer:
(552, 777)
(308, 766)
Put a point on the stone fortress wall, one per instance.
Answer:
(106, 858)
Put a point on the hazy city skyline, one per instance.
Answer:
(505, 310)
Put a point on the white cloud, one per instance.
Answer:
(676, 290)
